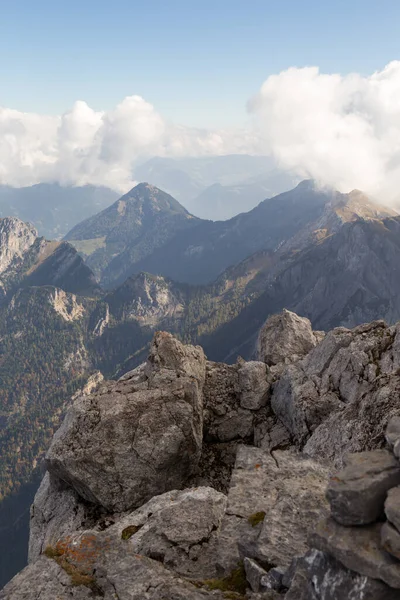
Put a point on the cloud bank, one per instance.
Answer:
(84, 146)
(341, 130)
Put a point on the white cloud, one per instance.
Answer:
(84, 146)
(341, 130)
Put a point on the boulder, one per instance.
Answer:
(321, 577)
(284, 338)
(166, 352)
(178, 529)
(392, 507)
(273, 501)
(392, 435)
(254, 385)
(254, 574)
(44, 580)
(225, 419)
(57, 511)
(136, 438)
(359, 549)
(390, 539)
(357, 493)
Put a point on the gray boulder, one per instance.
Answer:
(254, 384)
(178, 529)
(340, 397)
(273, 501)
(392, 435)
(225, 419)
(44, 580)
(57, 511)
(392, 507)
(134, 439)
(390, 539)
(285, 338)
(321, 577)
(359, 549)
(357, 493)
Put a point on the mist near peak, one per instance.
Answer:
(340, 130)
(343, 131)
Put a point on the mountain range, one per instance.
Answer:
(217, 187)
(332, 257)
(52, 208)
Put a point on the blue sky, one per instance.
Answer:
(197, 62)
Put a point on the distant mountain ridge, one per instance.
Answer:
(176, 245)
(217, 187)
(53, 208)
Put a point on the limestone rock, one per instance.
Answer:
(57, 511)
(224, 418)
(134, 439)
(254, 574)
(339, 398)
(273, 502)
(390, 539)
(321, 577)
(115, 572)
(178, 529)
(359, 549)
(357, 493)
(285, 338)
(392, 435)
(166, 352)
(253, 384)
(392, 507)
(43, 580)
(297, 402)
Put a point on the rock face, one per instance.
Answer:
(357, 494)
(339, 398)
(273, 501)
(145, 456)
(353, 552)
(285, 338)
(155, 488)
(15, 238)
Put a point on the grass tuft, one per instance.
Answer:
(256, 518)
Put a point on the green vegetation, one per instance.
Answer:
(234, 584)
(129, 531)
(87, 247)
(256, 518)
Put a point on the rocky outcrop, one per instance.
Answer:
(356, 551)
(273, 500)
(188, 478)
(339, 398)
(150, 424)
(285, 338)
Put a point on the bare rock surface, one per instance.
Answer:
(135, 438)
(321, 577)
(273, 501)
(359, 549)
(178, 529)
(340, 397)
(285, 338)
(57, 511)
(357, 494)
(392, 507)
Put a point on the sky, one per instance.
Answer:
(88, 89)
(196, 62)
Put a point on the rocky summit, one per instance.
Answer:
(190, 479)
